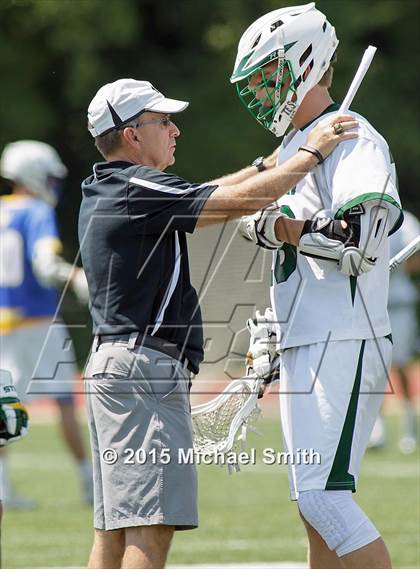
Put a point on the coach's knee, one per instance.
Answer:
(337, 518)
(110, 542)
(152, 540)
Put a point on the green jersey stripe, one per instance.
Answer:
(340, 478)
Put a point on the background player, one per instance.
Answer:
(402, 305)
(330, 275)
(14, 423)
(30, 269)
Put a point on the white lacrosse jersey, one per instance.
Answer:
(312, 300)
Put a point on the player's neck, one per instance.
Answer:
(313, 104)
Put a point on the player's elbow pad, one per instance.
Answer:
(356, 247)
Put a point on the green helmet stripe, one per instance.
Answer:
(288, 46)
(239, 73)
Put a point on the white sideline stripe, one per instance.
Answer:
(171, 288)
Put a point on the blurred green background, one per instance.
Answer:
(55, 54)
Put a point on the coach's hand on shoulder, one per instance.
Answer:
(329, 132)
(246, 192)
(14, 421)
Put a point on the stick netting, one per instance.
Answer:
(212, 428)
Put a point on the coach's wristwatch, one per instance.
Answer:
(259, 164)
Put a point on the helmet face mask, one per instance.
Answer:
(264, 99)
(302, 42)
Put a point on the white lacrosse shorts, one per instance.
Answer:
(330, 395)
(41, 360)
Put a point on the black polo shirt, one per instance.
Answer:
(132, 225)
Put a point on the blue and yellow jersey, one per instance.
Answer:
(24, 221)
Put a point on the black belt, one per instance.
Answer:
(136, 339)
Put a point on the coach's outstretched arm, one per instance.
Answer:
(234, 200)
(268, 162)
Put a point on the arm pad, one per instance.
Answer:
(356, 247)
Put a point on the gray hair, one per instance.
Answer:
(110, 142)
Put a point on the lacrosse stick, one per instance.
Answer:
(358, 78)
(222, 423)
(405, 253)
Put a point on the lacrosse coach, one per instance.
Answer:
(146, 319)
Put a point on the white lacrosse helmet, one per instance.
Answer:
(35, 165)
(302, 40)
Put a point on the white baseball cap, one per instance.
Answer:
(122, 101)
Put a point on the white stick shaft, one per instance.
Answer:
(405, 253)
(358, 78)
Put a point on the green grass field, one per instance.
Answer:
(244, 517)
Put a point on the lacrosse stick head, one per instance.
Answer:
(222, 423)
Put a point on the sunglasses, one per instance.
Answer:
(164, 121)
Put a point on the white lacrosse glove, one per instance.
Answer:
(262, 356)
(80, 286)
(260, 228)
(14, 422)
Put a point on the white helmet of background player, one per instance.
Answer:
(303, 42)
(35, 165)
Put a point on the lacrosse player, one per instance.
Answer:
(14, 422)
(30, 271)
(402, 303)
(329, 235)
(147, 323)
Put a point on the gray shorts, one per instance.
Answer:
(139, 419)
